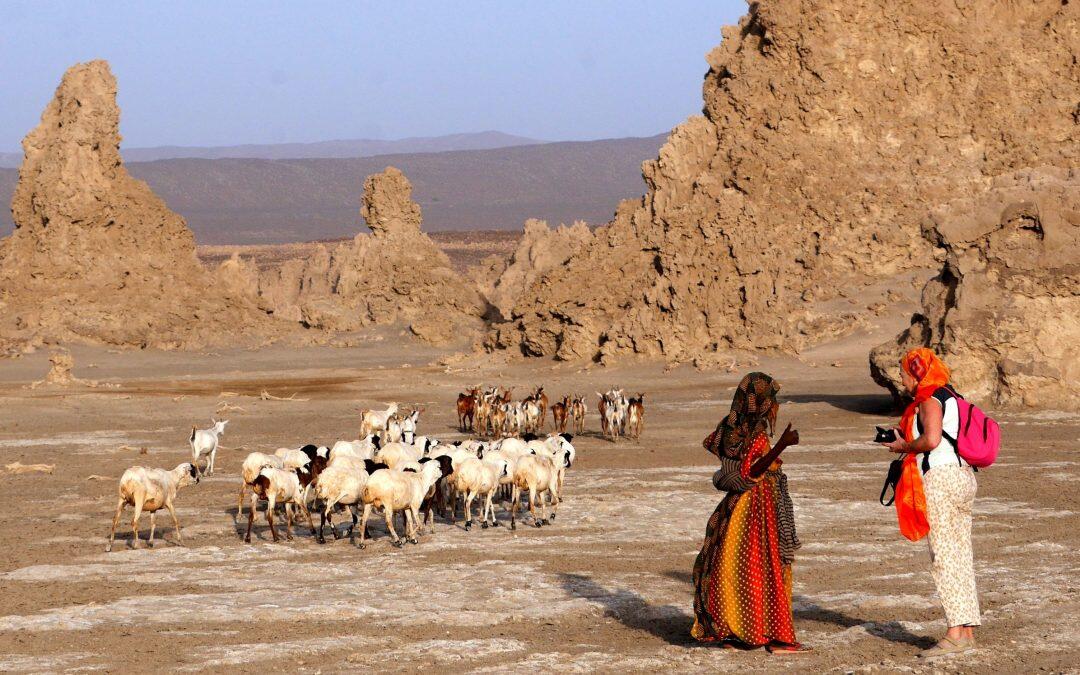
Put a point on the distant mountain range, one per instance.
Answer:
(360, 147)
(265, 201)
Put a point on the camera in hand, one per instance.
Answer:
(885, 435)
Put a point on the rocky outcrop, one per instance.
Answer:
(540, 250)
(829, 130)
(395, 274)
(1005, 311)
(96, 256)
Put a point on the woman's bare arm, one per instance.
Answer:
(930, 417)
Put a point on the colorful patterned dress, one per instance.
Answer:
(742, 576)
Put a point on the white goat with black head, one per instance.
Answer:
(151, 490)
(205, 442)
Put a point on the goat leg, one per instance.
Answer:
(115, 522)
(270, 518)
(513, 507)
(175, 522)
(389, 514)
(363, 525)
(135, 543)
(240, 499)
(307, 514)
(251, 517)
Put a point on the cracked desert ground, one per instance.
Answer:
(605, 588)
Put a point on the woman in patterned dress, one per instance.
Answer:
(742, 577)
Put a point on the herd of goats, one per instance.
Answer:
(393, 468)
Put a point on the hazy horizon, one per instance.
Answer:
(203, 75)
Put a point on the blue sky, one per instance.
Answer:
(225, 73)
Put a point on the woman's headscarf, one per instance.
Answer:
(753, 410)
(930, 372)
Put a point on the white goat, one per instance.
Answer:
(395, 454)
(150, 490)
(363, 448)
(401, 491)
(277, 485)
(342, 482)
(205, 442)
(408, 426)
(249, 471)
(480, 477)
(539, 474)
(374, 421)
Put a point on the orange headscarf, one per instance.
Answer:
(931, 373)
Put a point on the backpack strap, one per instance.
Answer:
(943, 394)
(896, 468)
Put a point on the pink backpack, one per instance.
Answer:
(980, 436)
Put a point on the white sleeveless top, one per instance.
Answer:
(945, 453)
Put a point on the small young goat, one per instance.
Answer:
(150, 490)
(205, 442)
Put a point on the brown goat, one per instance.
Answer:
(466, 410)
(559, 412)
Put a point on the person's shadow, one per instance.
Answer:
(893, 631)
(667, 622)
(806, 610)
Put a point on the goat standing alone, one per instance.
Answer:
(635, 415)
(205, 442)
(150, 490)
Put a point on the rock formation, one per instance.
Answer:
(1005, 310)
(394, 274)
(541, 250)
(96, 256)
(829, 130)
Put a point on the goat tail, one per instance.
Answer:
(192, 438)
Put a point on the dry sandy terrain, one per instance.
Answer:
(606, 587)
(463, 248)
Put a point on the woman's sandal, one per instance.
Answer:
(948, 646)
(784, 648)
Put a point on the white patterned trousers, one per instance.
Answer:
(950, 495)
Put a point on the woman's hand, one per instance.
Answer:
(899, 445)
(789, 437)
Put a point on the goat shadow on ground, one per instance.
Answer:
(864, 404)
(807, 610)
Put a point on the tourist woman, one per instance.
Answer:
(948, 483)
(742, 577)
